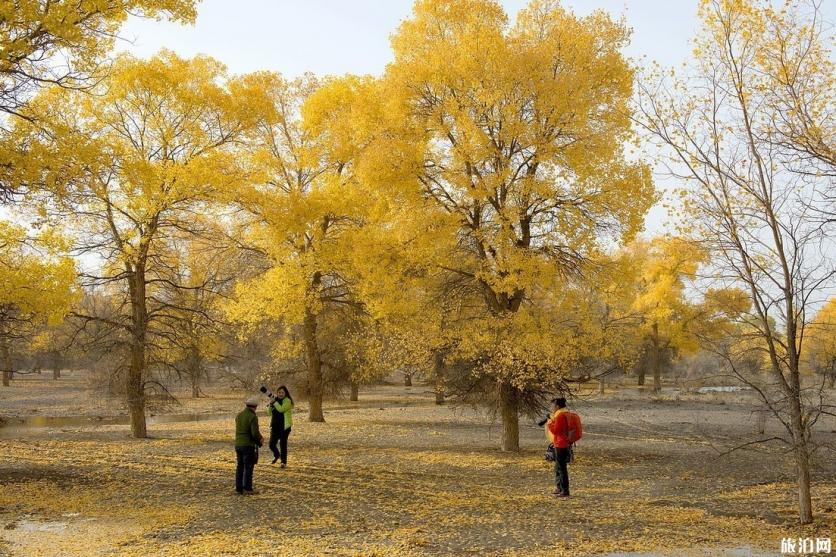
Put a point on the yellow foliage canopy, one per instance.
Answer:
(36, 282)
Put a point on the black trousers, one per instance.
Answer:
(561, 469)
(278, 442)
(245, 457)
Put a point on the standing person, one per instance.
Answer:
(247, 439)
(557, 429)
(280, 411)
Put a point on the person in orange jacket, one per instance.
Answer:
(557, 430)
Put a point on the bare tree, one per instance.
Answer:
(751, 209)
(188, 319)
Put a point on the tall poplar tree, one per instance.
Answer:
(126, 170)
(523, 131)
(748, 197)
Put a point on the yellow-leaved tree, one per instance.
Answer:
(522, 132)
(821, 342)
(126, 170)
(304, 210)
(37, 287)
(664, 266)
(795, 60)
(47, 43)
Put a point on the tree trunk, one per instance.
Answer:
(57, 363)
(355, 392)
(798, 425)
(760, 420)
(802, 463)
(195, 365)
(438, 374)
(657, 360)
(314, 368)
(407, 379)
(135, 391)
(805, 506)
(799, 440)
(6, 353)
(509, 407)
(135, 382)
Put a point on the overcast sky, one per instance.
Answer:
(338, 36)
(334, 37)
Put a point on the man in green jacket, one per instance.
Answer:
(247, 439)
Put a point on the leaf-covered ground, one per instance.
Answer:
(404, 477)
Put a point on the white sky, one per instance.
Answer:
(335, 37)
(339, 36)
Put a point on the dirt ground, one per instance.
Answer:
(394, 474)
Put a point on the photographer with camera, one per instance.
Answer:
(563, 429)
(280, 411)
(247, 440)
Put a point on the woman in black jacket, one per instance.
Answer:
(280, 411)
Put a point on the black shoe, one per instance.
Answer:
(239, 491)
(275, 458)
(284, 465)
